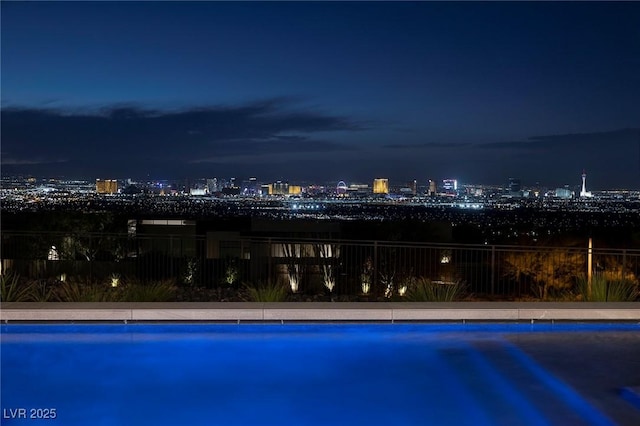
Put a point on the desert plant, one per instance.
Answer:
(12, 289)
(266, 292)
(83, 291)
(387, 283)
(622, 290)
(191, 272)
(231, 274)
(367, 276)
(114, 280)
(540, 291)
(41, 291)
(426, 290)
(405, 284)
(545, 269)
(605, 290)
(598, 291)
(295, 269)
(613, 268)
(327, 253)
(388, 267)
(156, 291)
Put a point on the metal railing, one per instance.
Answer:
(311, 265)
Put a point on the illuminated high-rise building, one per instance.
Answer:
(514, 185)
(212, 185)
(450, 186)
(583, 191)
(266, 189)
(106, 186)
(563, 193)
(250, 187)
(279, 188)
(433, 187)
(381, 186)
(413, 185)
(295, 190)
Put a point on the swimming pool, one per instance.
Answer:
(320, 374)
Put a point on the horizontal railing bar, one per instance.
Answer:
(364, 243)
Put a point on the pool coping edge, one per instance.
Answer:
(321, 311)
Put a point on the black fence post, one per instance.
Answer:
(493, 269)
(374, 284)
(270, 260)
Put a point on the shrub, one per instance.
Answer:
(605, 290)
(622, 291)
(12, 289)
(266, 292)
(231, 274)
(157, 291)
(84, 291)
(542, 292)
(41, 291)
(546, 270)
(426, 290)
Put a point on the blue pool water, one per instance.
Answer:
(327, 374)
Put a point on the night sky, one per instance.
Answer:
(323, 91)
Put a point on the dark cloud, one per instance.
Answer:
(509, 145)
(131, 135)
(427, 145)
(34, 161)
(571, 140)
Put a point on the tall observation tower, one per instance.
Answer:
(584, 192)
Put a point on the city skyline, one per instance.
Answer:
(339, 91)
(378, 184)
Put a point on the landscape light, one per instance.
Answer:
(53, 254)
(115, 280)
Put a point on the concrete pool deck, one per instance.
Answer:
(321, 311)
